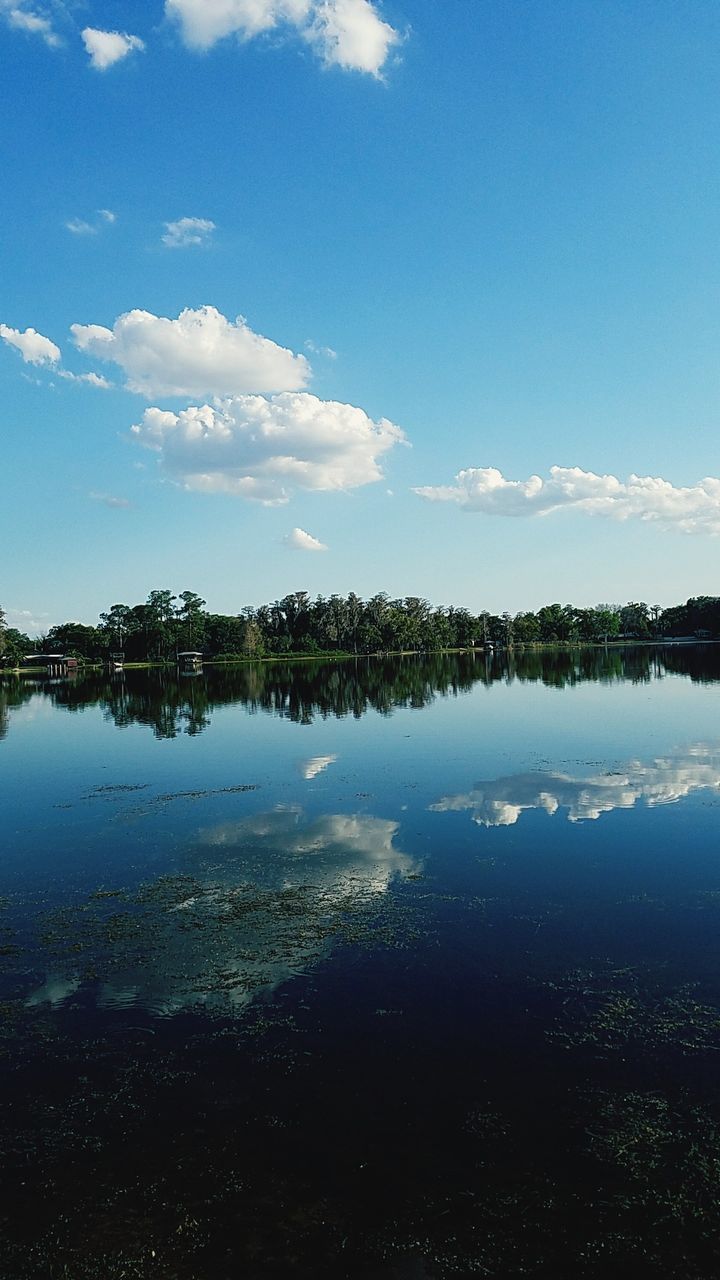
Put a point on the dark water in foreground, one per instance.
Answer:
(382, 969)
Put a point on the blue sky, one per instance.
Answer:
(468, 243)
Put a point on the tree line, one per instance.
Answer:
(165, 624)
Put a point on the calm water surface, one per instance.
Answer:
(378, 969)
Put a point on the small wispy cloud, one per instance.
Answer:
(316, 350)
(110, 500)
(26, 619)
(105, 48)
(90, 379)
(26, 18)
(81, 227)
(299, 540)
(186, 232)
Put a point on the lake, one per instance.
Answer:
(388, 969)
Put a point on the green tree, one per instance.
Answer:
(160, 623)
(635, 620)
(526, 628)
(118, 623)
(16, 646)
(74, 639)
(190, 615)
(354, 612)
(606, 623)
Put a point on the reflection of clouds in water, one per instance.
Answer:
(262, 900)
(315, 765)
(54, 991)
(500, 802)
(330, 852)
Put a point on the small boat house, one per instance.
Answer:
(54, 664)
(189, 661)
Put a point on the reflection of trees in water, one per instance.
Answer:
(14, 693)
(700, 662)
(561, 667)
(170, 704)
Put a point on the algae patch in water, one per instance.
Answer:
(631, 1012)
(183, 941)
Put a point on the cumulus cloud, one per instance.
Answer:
(345, 33)
(105, 48)
(695, 509)
(187, 231)
(39, 350)
(299, 540)
(204, 22)
(22, 18)
(262, 448)
(33, 347)
(200, 353)
(501, 802)
(351, 34)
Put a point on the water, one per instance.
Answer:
(377, 969)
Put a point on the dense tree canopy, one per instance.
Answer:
(166, 624)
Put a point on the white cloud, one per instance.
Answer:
(204, 22)
(26, 620)
(187, 231)
(24, 19)
(262, 448)
(299, 540)
(80, 227)
(105, 48)
(33, 347)
(695, 509)
(198, 354)
(501, 802)
(351, 34)
(91, 379)
(327, 352)
(109, 500)
(38, 350)
(345, 33)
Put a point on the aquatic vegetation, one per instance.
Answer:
(631, 1011)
